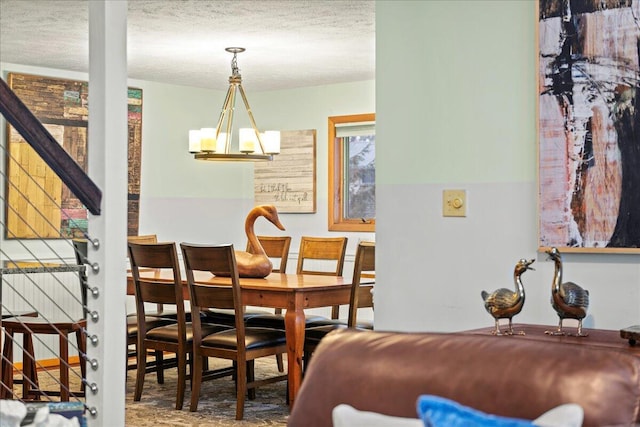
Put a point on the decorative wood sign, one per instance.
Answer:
(589, 125)
(289, 181)
(39, 205)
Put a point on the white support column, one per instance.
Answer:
(107, 151)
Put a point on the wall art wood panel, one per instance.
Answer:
(39, 205)
(289, 181)
(589, 124)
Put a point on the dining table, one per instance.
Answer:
(291, 292)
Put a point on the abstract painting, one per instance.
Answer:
(589, 125)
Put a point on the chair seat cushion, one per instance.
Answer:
(312, 336)
(254, 338)
(151, 321)
(172, 315)
(361, 324)
(169, 333)
(167, 314)
(315, 334)
(276, 321)
(228, 317)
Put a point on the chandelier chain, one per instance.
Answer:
(235, 71)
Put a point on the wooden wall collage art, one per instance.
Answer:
(39, 204)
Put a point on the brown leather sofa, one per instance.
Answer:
(386, 372)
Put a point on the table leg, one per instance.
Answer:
(294, 322)
(64, 367)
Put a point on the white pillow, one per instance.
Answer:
(567, 415)
(347, 416)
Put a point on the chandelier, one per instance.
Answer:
(215, 143)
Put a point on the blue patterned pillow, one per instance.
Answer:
(437, 411)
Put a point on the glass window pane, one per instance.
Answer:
(360, 176)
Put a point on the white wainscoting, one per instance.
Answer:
(56, 296)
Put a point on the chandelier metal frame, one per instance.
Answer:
(228, 107)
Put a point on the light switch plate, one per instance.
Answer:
(454, 203)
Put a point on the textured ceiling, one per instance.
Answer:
(294, 43)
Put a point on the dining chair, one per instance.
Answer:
(63, 326)
(364, 268)
(153, 319)
(326, 256)
(242, 344)
(174, 338)
(160, 310)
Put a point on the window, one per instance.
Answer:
(352, 173)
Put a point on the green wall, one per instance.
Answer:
(458, 83)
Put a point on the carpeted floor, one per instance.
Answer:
(217, 405)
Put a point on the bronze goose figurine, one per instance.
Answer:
(569, 300)
(256, 264)
(505, 303)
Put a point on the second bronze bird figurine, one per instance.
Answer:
(505, 303)
(569, 300)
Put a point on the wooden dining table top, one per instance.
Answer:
(273, 282)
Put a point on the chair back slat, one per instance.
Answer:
(212, 296)
(157, 292)
(221, 260)
(216, 259)
(276, 247)
(153, 255)
(322, 248)
(144, 238)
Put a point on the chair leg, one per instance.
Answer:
(241, 389)
(196, 380)
(81, 341)
(335, 312)
(127, 354)
(182, 378)
(250, 378)
(287, 394)
(280, 363)
(306, 358)
(7, 366)
(29, 372)
(142, 367)
(64, 367)
(159, 356)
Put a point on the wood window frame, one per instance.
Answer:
(337, 221)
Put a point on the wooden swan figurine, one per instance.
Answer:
(505, 303)
(569, 300)
(256, 264)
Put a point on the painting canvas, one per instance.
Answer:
(588, 125)
(39, 204)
